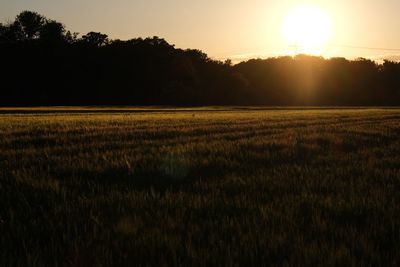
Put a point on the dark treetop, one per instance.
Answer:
(44, 64)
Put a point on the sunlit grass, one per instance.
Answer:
(199, 186)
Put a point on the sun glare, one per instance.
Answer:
(307, 29)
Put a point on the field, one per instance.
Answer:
(203, 187)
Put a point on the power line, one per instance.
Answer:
(365, 47)
(248, 51)
(358, 47)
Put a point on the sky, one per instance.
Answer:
(236, 29)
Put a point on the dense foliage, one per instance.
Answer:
(44, 64)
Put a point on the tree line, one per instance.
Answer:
(42, 63)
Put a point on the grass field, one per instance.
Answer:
(203, 187)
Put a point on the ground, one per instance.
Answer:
(202, 186)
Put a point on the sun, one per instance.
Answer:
(307, 29)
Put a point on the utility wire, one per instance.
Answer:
(355, 47)
(248, 51)
(365, 47)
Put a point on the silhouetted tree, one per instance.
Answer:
(11, 33)
(30, 24)
(3, 30)
(44, 64)
(95, 39)
(52, 32)
(71, 37)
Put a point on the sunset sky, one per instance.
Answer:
(235, 28)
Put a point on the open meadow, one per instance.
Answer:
(199, 186)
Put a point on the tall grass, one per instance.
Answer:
(199, 187)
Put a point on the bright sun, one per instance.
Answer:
(307, 29)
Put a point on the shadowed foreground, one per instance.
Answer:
(200, 187)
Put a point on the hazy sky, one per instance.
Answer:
(225, 28)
